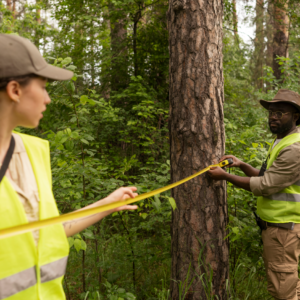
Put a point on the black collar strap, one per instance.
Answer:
(7, 158)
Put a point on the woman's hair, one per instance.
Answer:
(22, 80)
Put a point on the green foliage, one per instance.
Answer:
(108, 127)
(116, 293)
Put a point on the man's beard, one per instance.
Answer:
(283, 128)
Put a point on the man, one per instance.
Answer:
(278, 191)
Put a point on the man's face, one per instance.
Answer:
(288, 120)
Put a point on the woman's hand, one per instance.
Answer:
(122, 194)
(236, 162)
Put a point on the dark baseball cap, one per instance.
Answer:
(284, 96)
(19, 57)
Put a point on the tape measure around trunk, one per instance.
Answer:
(8, 232)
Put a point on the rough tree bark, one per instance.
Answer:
(281, 33)
(8, 4)
(258, 56)
(269, 33)
(197, 140)
(119, 62)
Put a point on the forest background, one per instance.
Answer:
(108, 127)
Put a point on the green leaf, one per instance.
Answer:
(144, 215)
(130, 296)
(71, 241)
(92, 102)
(71, 68)
(84, 141)
(84, 99)
(63, 139)
(235, 230)
(68, 131)
(172, 202)
(89, 234)
(69, 145)
(254, 145)
(66, 61)
(156, 203)
(77, 245)
(83, 245)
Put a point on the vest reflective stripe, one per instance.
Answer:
(285, 197)
(23, 280)
(54, 270)
(17, 283)
(284, 206)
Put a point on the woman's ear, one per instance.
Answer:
(14, 92)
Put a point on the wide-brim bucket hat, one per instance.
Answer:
(287, 96)
(20, 57)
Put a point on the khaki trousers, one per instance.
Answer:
(281, 256)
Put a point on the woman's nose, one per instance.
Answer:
(47, 98)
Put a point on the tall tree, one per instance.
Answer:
(8, 4)
(269, 16)
(118, 37)
(197, 140)
(281, 33)
(269, 33)
(259, 44)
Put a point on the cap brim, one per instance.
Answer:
(266, 104)
(55, 73)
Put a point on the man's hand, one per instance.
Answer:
(217, 173)
(236, 162)
(247, 169)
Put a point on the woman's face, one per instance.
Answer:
(33, 101)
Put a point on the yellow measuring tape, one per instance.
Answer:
(8, 232)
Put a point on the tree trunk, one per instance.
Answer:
(14, 9)
(8, 4)
(281, 33)
(119, 62)
(269, 34)
(197, 140)
(235, 19)
(38, 20)
(259, 44)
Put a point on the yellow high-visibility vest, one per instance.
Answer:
(284, 206)
(28, 272)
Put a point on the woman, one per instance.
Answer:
(32, 265)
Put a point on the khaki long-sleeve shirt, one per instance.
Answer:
(284, 172)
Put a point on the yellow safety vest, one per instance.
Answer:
(284, 206)
(26, 271)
